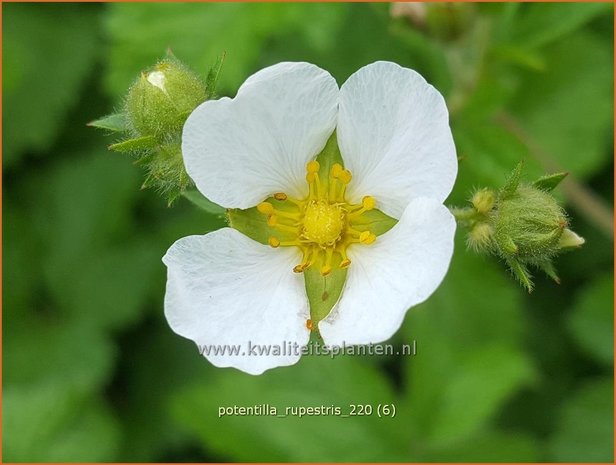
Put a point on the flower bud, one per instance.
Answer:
(529, 224)
(480, 237)
(161, 99)
(483, 200)
(569, 239)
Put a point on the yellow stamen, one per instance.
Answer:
(327, 267)
(345, 262)
(368, 203)
(286, 228)
(336, 170)
(322, 224)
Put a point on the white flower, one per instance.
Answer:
(224, 289)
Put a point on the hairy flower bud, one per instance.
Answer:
(483, 200)
(528, 224)
(161, 99)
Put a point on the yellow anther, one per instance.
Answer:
(345, 263)
(280, 196)
(366, 237)
(301, 267)
(370, 239)
(345, 176)
(313, 166)
(336, 170)
(266, 208)
(325, 270)
(368, 203)
(273, 241)
(272, 220)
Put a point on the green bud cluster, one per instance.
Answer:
(521, 223)
(154, 112)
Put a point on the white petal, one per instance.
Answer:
(401, 269)
(239, 151)
(226, 290)
(394, 136)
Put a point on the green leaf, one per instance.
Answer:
(114, 284)
(490, 375)
(80, 202)
(488, 154)
(198, 199)
(488, 446)
(149, 432)
(114, 123)
(550, 182)
(591, 321)
(585, 432)
(491, 368)
(314, 382)
(540, 23)
(82, 207)
(567, 110)
(50, 423)
(48, 51)
(140, 33)
(21, 249)
(38, 350)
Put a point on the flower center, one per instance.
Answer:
(324, 224)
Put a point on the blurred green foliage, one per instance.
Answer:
(92, 372)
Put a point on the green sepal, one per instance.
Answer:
(521, 273)
(329, 156)
(548, 183)
(376, 221)
(512, 182)
(115, 123)
(196, 198)
(323, 291)
(548, 268)
(134, 145)
(211, 80)
(253, 224)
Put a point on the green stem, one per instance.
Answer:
(464, 216)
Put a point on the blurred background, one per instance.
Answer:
(92, 372)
